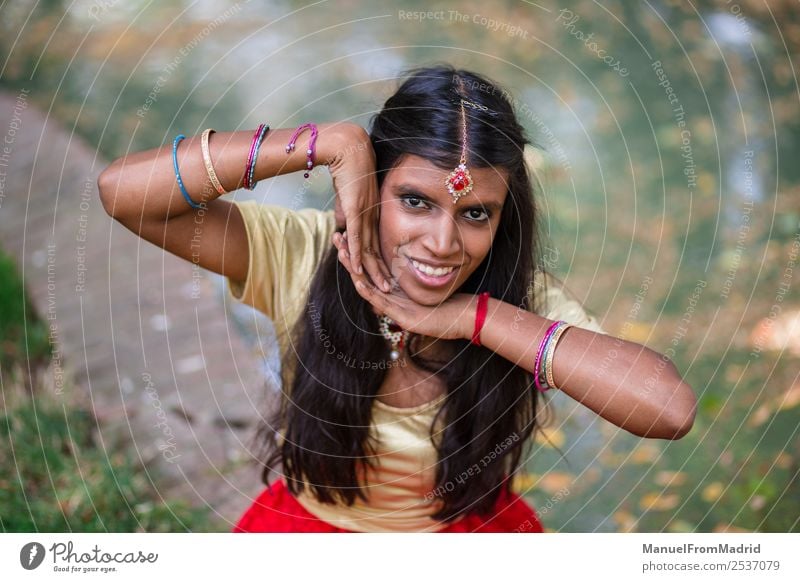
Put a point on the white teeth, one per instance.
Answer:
(432, 271)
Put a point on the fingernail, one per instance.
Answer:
(360, 270)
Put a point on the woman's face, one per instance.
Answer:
(431, 245)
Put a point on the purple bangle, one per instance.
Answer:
(537, 364)
(249, 168)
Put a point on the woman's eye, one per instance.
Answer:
(412, 201)
(478, 215)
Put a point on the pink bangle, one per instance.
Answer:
(312, 145)
(537, 364)
(249, 168)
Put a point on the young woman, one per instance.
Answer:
(418, 328)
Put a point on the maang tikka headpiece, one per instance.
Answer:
(459, 182)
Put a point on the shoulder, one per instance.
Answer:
(277, 232)
(286, 246)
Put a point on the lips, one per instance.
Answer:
(434, 277)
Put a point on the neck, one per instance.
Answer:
(433, 348)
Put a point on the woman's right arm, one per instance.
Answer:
(140, 190)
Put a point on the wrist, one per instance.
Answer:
(337, 138)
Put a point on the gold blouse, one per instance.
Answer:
(286, 246)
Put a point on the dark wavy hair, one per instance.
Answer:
(327, 402)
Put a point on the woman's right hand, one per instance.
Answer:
(353, 171)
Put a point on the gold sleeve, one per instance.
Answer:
(286, 247)
(558, 304)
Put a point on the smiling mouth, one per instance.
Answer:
(431, 276)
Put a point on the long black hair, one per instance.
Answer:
(490, 407)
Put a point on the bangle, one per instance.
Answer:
(212, 175)
(480, 317)
(541, 371)
(537, 364)
(186, 196)
(250, 166)
(312, 145)
(550, 351)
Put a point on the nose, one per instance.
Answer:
(444, 238)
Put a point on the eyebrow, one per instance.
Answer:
(412, 190)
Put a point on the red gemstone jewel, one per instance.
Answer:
(459, 180)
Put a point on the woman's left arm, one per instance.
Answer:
(626, 383)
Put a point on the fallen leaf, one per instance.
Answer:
(783, 401)
(783, 460)
(625, 520)
(712, 491)
(760, 415)
(551, 437)
(781, 333)
(728, 527)
(680, 526)
(524, 482)
(791, 398)
(656, 501)
(591, 476)
(635, 331)
(645, 453)
(670, 478)
(554, 482)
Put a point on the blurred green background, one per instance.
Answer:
(669, 132)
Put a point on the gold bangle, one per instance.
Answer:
(548, 363)
(212, 175)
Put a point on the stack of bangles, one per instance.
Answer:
(543, 365)
(248, 181)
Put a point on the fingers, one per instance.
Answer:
(373, 264)
(354, 244)
(387, 274)
(373, 261)
(366, 289)
(378, 273)
(384, 302)
(340, 241)
(344, 254)
(374, 296)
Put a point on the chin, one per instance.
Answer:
(426, 297)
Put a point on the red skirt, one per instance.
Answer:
(279, 512)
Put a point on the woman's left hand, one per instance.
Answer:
(448, 320)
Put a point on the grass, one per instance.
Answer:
(23, 335)
(54, 477)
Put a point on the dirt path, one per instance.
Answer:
(147, 337)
